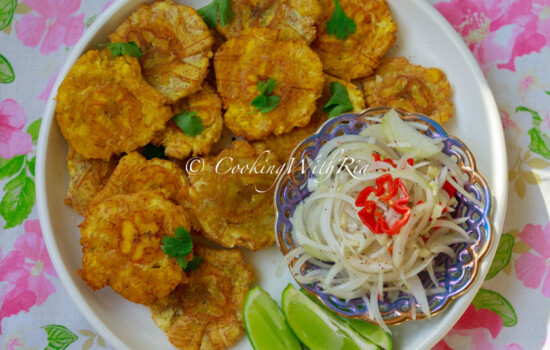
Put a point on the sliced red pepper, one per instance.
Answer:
(450, 189)
(391, 191)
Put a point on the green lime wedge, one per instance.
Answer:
(367, 330)
(318, 329)
(265, 324)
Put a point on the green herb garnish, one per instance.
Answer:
(339, 102)
(189, 123)
(178, 246)
(209, 13)
(151, 151)
(119, 49)
(340, 24)
(265, 102)
(194, 263)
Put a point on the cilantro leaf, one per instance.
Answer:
(189, 123)
(265, 102)
(119, 49)
(339, 102)
(267, 87)
(178, 246)
(151, 151)
(340, 24)
(209, 13)
(194, 263)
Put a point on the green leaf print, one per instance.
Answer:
(18, 200)
(34, 129)
(492, 301)
(502, 256)
(8, 167)
(6, 71)
(540, 142)
(59, 337)
(7, 8)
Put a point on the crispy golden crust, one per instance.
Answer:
(241, 62)
(412, 88)
(208, 106)
(228, 206)
(87, 178)
(121, 245)
(293, 19)
(206, 313)
(176, 46)
(283, 145)
(359, 54)
(105, 107)
(136, 174)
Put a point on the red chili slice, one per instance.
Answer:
(391, 191)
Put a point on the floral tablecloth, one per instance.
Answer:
(509, 38)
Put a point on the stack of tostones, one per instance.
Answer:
(105, 107)
(208, 107)
(412, 88)
(291, 18)
(232, 196)
(205, 313)
(87, 178)
(176, 45)
(121, 245)
(257, 56)
(360, 53)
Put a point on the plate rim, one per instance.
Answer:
(492, 116)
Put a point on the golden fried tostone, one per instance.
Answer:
(227, 196)
(358, 55)
(87, 178)
(176, 46)
(256, 56)
(105, 107)
(135, 174)
(284, 144)
(293, 19)
(208, 107)
(412, 88)
(206, 312)
(121, 245)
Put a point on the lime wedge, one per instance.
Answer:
(318, 329)
(265, 324)
(365, 329)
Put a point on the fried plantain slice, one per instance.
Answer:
(284, 144)
(359, 54)
(208, 107)
(121, 245)
(412, 88)
(135, 174)
(206, 312)
(232, 196)
(291, 18)
(105, 107)
(176, 45)
(257, 56)
(87, 177)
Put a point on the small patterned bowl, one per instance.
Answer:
(456, 275)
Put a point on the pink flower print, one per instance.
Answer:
(25, 269)
(475, 330)
(109, 3)
(55, 24)
(12, 139)
(508, 123)
(498, 31)
(531, 268)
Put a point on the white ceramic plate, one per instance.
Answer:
(423, 36)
